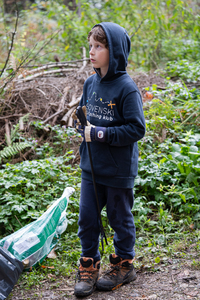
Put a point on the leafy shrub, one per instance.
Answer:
(171, 179)
(27, 189)
(188, 71)
(169, 165)
(56, 141)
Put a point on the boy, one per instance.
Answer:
(115, 124)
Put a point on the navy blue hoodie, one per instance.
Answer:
(113, 102)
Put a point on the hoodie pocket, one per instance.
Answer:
(102, 159)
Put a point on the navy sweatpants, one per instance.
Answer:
(119, 203)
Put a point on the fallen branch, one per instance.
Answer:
(62, 102)
(66, 116)
(21, 124)
(84, 60)
(75, 102)
(43, 74)
(18, 115)
(11, 116)
(55, 87)
(26, 106)
(28, 152)
(20, 89)
(52, 63)
(7, 128)
(161, 87)
(49, 67)
(67, 120)
(70, 122)
(52, 116)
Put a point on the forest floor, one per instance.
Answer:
(178, 278)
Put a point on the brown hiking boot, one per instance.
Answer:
(87, 276)
(121, 271)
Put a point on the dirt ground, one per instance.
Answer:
(176, 281)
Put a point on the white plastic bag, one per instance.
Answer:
(32, 243)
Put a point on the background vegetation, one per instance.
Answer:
(166, 37)
(160, 31)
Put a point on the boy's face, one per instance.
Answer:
(99, 56)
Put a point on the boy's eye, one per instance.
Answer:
(97, 46)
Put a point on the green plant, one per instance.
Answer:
(160, 31)
(12, 150)
(188, 71)
(28, 188)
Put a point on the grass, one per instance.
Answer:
(181, 249)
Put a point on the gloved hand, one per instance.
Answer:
(94, 133)
(77, 123)
(90, 132)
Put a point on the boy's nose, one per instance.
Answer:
(91, 50)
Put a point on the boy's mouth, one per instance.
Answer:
(92, 60)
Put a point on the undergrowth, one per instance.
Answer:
(166, 209)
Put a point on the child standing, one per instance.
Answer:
(115, 124)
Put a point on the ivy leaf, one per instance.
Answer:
(157, 260)
(19, 208)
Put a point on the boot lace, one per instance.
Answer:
(113, 272)
(84, 275)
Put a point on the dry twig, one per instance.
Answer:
(62, 102)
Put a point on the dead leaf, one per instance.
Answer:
(192, 226)
(51, 276)
(148, 95)
(47, 267)
(52, 254)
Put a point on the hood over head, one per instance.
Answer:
(119, 48)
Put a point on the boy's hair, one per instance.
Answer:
(98, 35)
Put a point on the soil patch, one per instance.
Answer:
(175, 281)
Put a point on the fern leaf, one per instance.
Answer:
(13, 150)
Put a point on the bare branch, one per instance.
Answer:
(12, 41)
(44, 73)
(25, 58)
(57, 113)
(134, 33)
